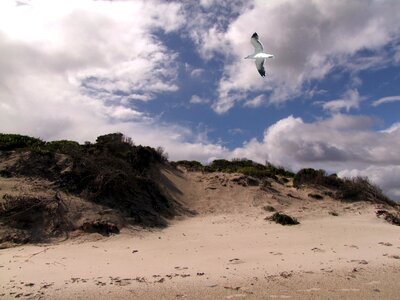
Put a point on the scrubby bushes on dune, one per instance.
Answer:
(112, 172)
(346, 189)
(316, 177)
(243, 166)
(190, 165)
(17, 141)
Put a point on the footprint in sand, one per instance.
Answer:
(352, 246)
(350, 290)
(235, 261)
(310, 290)
(236, 296)
(361, 262)
(372, 282)
(385, 244)
(315, 249)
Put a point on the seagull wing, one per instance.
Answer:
(260, 66)
(256, 43)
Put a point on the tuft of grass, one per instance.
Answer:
(269, 208)
(283, 219)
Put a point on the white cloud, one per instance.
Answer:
(196, 73)
(386, 100)
(308, 39)
(350, 100)
(395, 127)
(70, 70)
(255, 102)
(198, 100)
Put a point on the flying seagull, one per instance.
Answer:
(259, 55)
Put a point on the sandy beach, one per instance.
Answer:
(220, 256)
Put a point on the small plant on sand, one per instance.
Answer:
(315, 196)
(269, 208)
(283, 219)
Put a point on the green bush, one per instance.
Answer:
(63, 146)
(10, 142)
(247, 167)
(316, 177)
(190, 165)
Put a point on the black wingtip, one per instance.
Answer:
(255, 35)
(262, 73)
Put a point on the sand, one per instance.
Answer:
(224, 252)
(215, 256)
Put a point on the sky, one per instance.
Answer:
(173, 74)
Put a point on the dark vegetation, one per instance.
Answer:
(316, 196)
(243, 166)
(392, 218)
(112, 172)
(347, 189)
(283, 219)
(33, 218)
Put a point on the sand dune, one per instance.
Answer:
(227, 251)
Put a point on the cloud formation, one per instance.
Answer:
(350, 100)
(309, 39)
(386, 100)
(333, 144)
(78, 69)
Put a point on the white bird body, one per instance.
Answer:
(259, 55)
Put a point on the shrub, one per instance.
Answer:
(16, 141)
(63, 146)
(354, 189)
(389, 217)
(190, 165)
(283, 219)
(247, 167)
(253, 171)
(112, 172)
(360, 189)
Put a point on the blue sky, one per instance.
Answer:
(172, 74)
